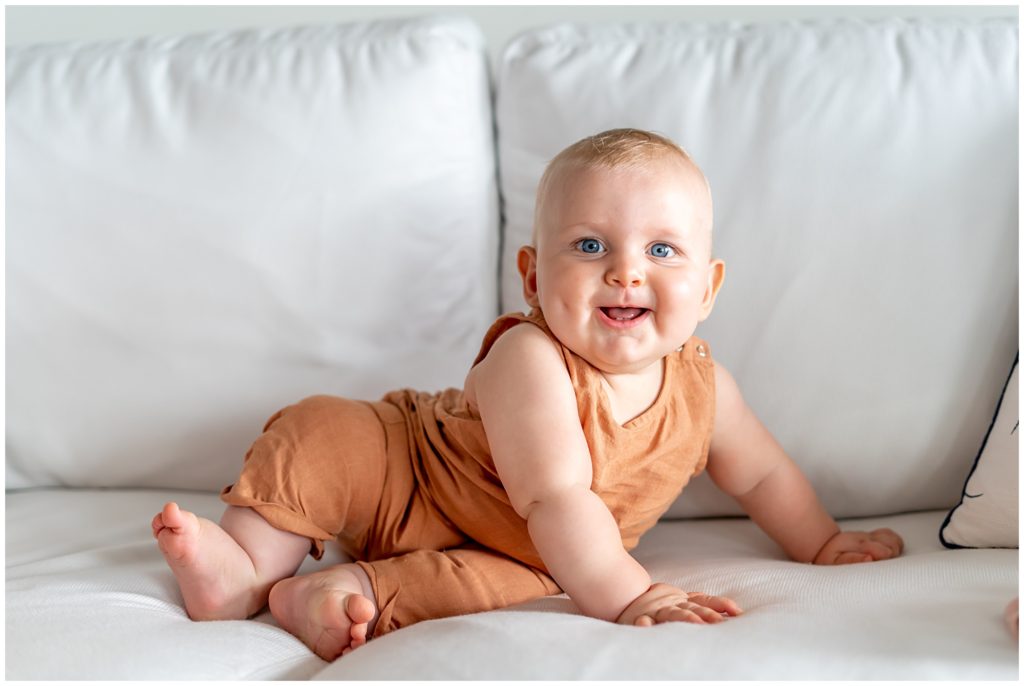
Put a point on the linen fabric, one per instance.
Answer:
(638, 468)
(865, 184)
(335, 469)
(409, 487)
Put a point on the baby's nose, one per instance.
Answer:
(625, 273)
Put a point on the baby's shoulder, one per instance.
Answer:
(518, 343)
(525, 363)
(522, 343)
(505, 324)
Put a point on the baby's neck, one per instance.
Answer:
(631, 394)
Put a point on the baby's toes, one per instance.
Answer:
(178, 541)
(174, 517)
(157, 524)
(357, 635)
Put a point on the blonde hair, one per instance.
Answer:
(612, 149)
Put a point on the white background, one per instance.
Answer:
(27, 25)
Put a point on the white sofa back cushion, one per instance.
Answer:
(865, 185)
(202, 230)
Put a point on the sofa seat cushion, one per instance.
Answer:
(107, 596)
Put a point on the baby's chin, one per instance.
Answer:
(618, 361)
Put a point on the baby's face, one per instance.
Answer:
(622, 268)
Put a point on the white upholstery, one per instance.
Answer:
(202, 230)
(864, 176)
(109, 597)
(106, 596)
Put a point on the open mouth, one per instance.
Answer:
(623, 317)
(623, 314)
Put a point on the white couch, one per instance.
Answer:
(202, 230)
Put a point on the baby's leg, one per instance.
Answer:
(226, 571)
(305, 479)
(336, 610)
(429, 584)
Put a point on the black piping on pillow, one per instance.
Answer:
(977, 459)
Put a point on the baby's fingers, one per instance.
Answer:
(890, 539)
(878, 551)
(689, 612)
(708, 615)
(716, 603)
(879, 546)
(849, 558)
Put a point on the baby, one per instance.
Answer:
(578, 425)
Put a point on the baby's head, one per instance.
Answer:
(620, 262)
(621, 149)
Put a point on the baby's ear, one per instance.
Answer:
(716, 277)
(526, 260)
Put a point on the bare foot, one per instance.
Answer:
(327, 610)
(214, 573)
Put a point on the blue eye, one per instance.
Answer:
(591, 246)
(662, 250)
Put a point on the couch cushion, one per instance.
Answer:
(925, 616)
(108, 600)
(201, 230)
(865, 184)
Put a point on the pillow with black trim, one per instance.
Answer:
(987, 514)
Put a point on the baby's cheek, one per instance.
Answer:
(683, 303)
(684, 293)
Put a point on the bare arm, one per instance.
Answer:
(528, 408)
(749, 464)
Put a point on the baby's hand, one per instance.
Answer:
(848, 547)
(663, 603)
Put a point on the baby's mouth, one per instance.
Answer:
(623, 314)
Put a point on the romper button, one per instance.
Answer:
(701, 351)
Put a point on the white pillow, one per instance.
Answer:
(203, 229)
(987, 514)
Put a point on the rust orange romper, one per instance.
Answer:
(408, 487)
